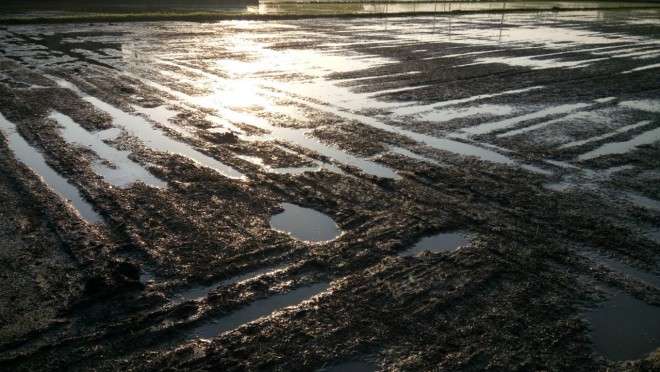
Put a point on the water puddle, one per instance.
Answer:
(450, 114)
(654, 234)
(560, 186)
(162, 115)
(353, 80)
(293, 135)
(535, 169)
(398, 90)
(643, 201)
(536, 63)
(585, 178)
(290, 170)
(222, 124)
(616, 169)
(33, 159)
(605, 136)
(115, 166)
(258, 309)
(146, 276)
(414, 109)
(643, 51)
(305, 224)
(443, 242)
(624, 328)
(294, 170)
(336, 100)
(611, 148)
(647, 67)
(198, 293)
(409, 154)
(394, 7)
(577, 116)
(150, 136)
(644, 105)
(445, 144)
(617, 265)
(299, 137)
(524, 31)
(503, 124)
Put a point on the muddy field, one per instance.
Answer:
(418, 193)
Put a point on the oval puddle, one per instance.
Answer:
(305, 224)
(443, 242)
(624, 328)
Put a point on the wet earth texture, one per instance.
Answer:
(141, 165)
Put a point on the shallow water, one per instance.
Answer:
(412, 109)
(654, 234)
(647, 67)
(503, 124)
(305, 224)
(536, 63)
(644, 201)
(294, 135)
(412, 155)
(583, 116)
(256, 80)
(337, 100)
(605, 136)
(611, 148)
(643, 104)
(162, 115)
(367, 7)
(150, 136)
(443, 242)
(412, 82)
(439, 143)
(624, 328)
(121, 171)
(617, 265)
(196, 293)
(35, 160)
(146, 276)
(450, 114)
(265, 80)
(258, 309)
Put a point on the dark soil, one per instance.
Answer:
(73, 295)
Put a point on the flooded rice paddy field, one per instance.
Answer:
(435, 192)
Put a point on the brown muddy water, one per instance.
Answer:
(293, 194)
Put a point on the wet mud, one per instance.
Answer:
(491, 180)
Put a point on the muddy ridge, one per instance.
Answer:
(448, 192)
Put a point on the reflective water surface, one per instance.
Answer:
(258, 309)
(196, 293)
(114, 165)
(35, 160)
(393, 7)
(381, 102)
(443, 242)
(625, 328)
(305, 224)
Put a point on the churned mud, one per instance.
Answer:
(456, 192)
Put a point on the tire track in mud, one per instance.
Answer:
(527, 238)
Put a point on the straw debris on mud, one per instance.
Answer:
(391, 156)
